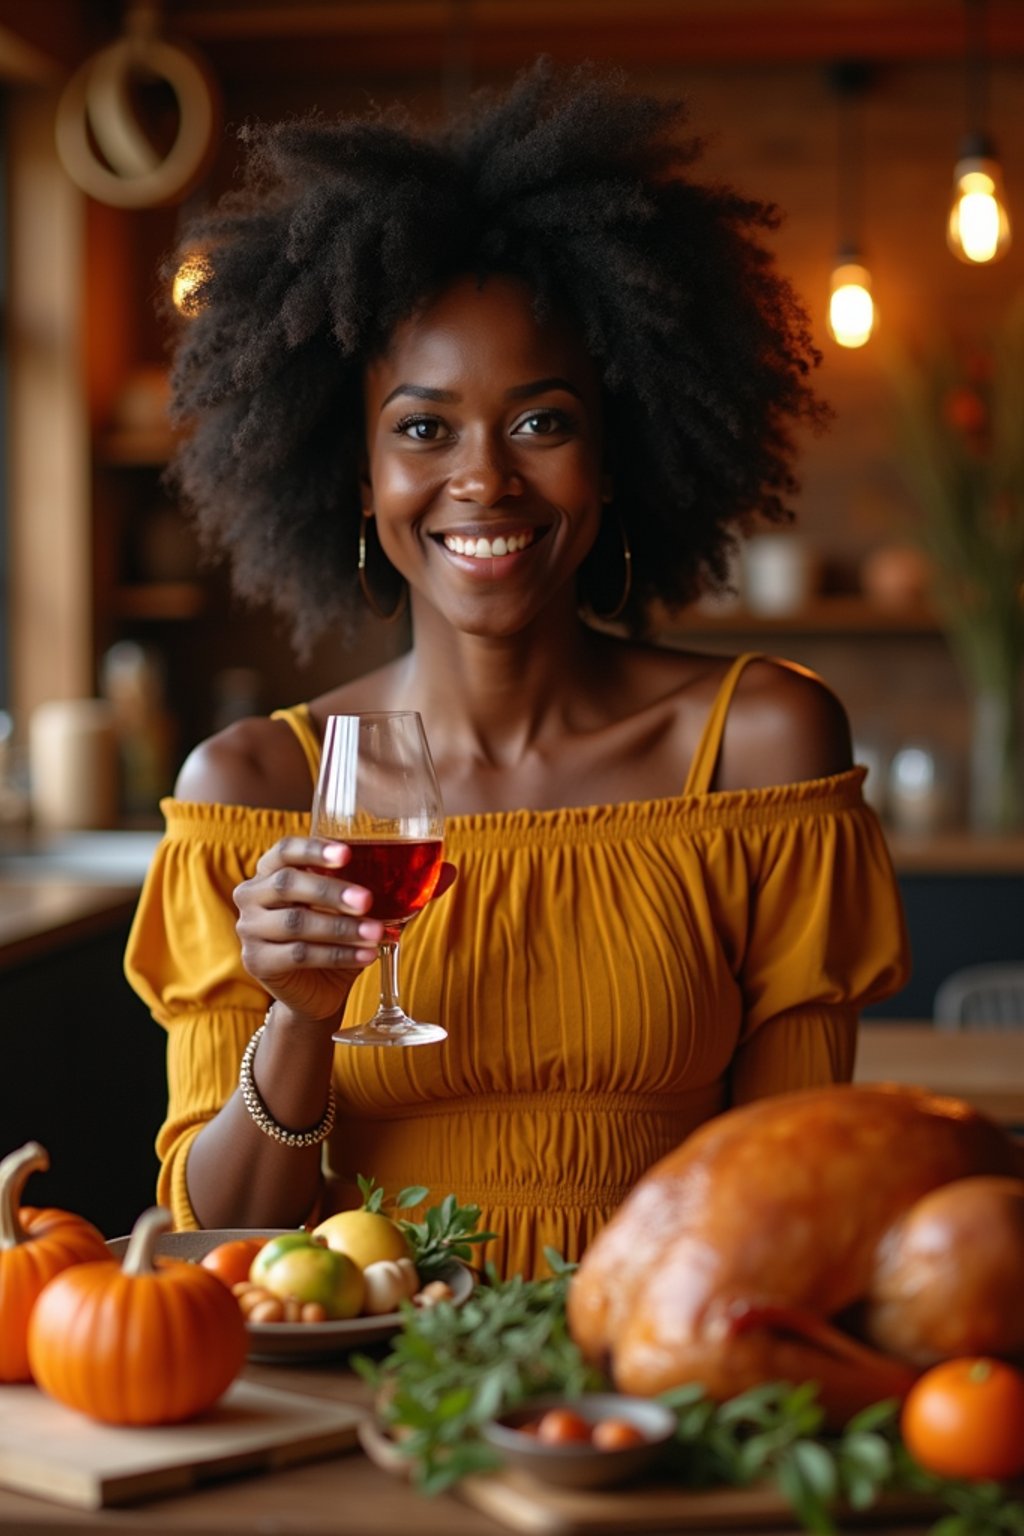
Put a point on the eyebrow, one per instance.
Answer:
(449, 397)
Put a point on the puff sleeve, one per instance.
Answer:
(184, 961)
(826, 936)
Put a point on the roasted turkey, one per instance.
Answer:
(848, 1235)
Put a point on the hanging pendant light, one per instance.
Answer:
(851, 308)
(978, 228)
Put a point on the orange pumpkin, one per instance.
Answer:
(35, 1244)
(145, 1342)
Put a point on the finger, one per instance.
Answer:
(283, 925)
(265, 961)
(287, 885)
(303, 851)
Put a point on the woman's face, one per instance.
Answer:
(484, 451)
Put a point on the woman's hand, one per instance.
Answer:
(303, 927)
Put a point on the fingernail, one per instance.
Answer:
(333, 853)
(368, 930)
(366, 956)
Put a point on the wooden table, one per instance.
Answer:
(349, 1496)
(983, 1066)
(343, 1496)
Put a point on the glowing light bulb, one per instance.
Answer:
(979, 227)
(193, 270)
(851, 309)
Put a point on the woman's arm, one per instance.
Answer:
(237, 1175)
(303, 938)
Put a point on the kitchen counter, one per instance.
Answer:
(64, 888)
(956, 852)
(81, 1061)
(38, 916)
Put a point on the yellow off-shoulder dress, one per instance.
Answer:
(610, 977)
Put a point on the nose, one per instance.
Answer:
(485, 474)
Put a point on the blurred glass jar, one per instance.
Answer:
(873, 756)
(921, 792)
(778, 573)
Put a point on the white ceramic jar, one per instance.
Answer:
(73, 770)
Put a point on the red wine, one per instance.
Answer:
(401, 874)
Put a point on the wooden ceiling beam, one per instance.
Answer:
(402, 34)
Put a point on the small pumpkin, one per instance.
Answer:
(149, 1341)
(36, 1243)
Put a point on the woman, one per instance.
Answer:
(531, 372)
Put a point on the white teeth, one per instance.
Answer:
(488, 549)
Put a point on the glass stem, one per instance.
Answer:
(389, 1002)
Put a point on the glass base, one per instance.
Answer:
(389, 1029)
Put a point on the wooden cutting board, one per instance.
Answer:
(51, 1451)
(521, 1503)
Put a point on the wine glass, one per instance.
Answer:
(378, 793)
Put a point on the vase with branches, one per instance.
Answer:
(960, 419)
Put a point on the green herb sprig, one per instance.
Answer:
(447, 1231)
(451, 1369)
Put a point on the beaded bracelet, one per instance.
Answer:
(262, 1117)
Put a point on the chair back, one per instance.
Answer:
(982, 997)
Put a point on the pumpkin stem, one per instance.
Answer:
(14, 1171)
(138, 1259)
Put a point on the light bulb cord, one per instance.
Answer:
(850, 192)
(976, 74)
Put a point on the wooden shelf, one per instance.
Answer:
(149, 448)
(160, 600)
(845, 614)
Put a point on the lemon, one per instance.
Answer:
(366, 1236)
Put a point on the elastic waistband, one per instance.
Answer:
(577, 1103)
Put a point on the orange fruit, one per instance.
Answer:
(231, 1261)
(964, 1418)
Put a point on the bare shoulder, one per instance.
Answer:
(784, 725)
(253, 762)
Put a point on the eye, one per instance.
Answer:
(421, 429)
(544, 423)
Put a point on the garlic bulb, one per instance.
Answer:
(388, 1282)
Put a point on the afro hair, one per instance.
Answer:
(570, 180)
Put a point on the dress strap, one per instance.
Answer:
(299, 720)
(702, 768)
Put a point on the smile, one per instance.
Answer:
(489, 549)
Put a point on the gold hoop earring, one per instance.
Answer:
(364, 584)
(627, 580)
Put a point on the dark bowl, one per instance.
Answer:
(580, 1465)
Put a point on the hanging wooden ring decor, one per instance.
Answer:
(102, 146)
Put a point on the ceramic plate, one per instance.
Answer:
(296, 1341)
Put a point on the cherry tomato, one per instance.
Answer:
(965, 1418)
(230, 1261)
(616, 1435)
(561, 1426)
